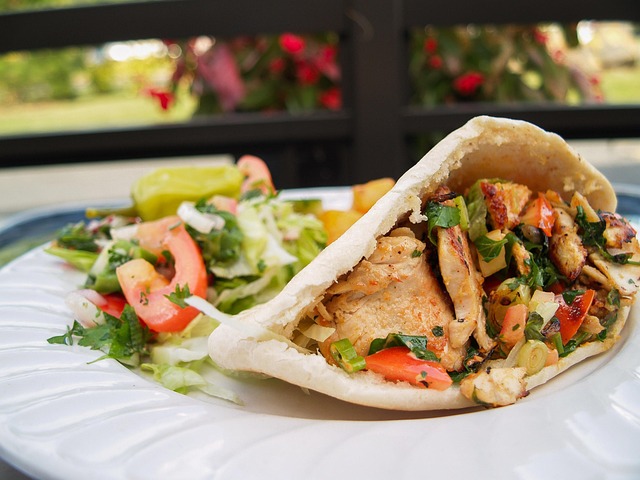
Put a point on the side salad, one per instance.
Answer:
(221, 233)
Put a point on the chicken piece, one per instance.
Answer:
(495, 386)
(505, 201)
(393, 291)
(565, 246)
(521, 256)
(626, 278)
(464, 285)
(618, 231)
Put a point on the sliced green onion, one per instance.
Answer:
(345, 355)
(532, 356)
(464, 213)
(556, 338)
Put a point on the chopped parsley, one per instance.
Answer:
(416, 343)
(179, 295)
(124, 339)
(488, 248)
(439, 215)
(592, 234)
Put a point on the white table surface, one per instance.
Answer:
(27, 188)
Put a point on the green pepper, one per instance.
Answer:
(160, 193)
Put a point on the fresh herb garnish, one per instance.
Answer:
(574, 343)
(592, 234)
(471, 362)
(77, 237)
(416, 343)
(437, 331)
(439, 215)
(179, 295)
(219, 246)
(570, 295)
(488, 248)
(613, 297)
(124, 339)
(533, 327)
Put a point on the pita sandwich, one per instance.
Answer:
(493, 265)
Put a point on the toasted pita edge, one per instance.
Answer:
(485, 147)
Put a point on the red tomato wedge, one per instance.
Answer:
(145, 289)
(113, 304)
(540, 214)
(572, 316)
(257, 175)
(399, 364)
(515, 319)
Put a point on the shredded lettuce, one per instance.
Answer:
(276, 243)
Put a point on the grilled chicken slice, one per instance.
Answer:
(626, 277)
(565, 246)
(618, 232)
(393, 291)
(495, 386)
(464, 285)
(505, 201)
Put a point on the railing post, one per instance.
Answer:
(377, 89)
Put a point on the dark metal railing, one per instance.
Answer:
(367, 139)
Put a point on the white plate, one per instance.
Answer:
(63, 417)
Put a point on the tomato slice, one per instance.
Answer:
(113, 304)
(540, 214)
(399, 364)
(257, 175)
(515, 319)
(145, 289)
(572, 316)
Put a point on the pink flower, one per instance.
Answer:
(325, 61)
(468, 83)
(219, 69)
(331, 99)
(292, 44)
(164, 97)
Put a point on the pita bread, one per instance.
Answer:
(485, 147)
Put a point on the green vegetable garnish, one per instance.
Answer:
(123, 339)
(532, 356)
(439, 215)
(592, 234)
(477, 211)
(344, 353)
(159, 193)
(489, 249)
(416, 343)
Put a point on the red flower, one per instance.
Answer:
(276, 65)
(430, 45)
(468, 83)
(331, 99)
(293, 44)
(540, 37)
(165, 98)
(307, 73)
(435, 62)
